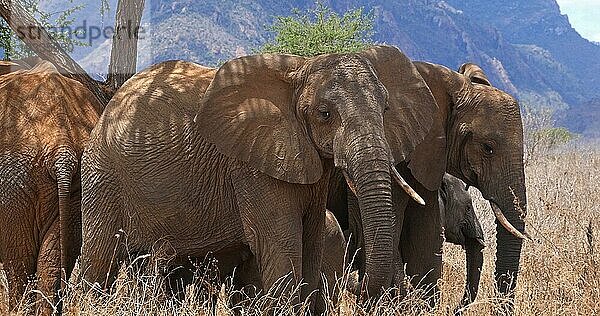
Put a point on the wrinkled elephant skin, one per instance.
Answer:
(236, 161)
(477, 136)
(45, 120)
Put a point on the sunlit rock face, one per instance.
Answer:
(526, 47)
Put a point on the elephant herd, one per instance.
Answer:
(273, 164)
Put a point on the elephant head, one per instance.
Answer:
(457, 212)
(461, 227)
(287, 115)
(484, 148)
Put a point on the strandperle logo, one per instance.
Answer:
(84, 32)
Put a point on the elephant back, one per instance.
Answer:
(158, 95)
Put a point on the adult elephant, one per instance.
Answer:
(45, 120)
(239, 166)
(477, 136)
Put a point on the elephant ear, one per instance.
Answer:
(411, 105)
(474, 73)
(248, 112)
(427, 162)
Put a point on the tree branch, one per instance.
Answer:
(39, 41)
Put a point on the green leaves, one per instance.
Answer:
(540, 134)
(320, 31)
(555, 136)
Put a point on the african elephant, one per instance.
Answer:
(477, 136)
(45, 120)
(462, 227)
(334, 252)
(239, 165)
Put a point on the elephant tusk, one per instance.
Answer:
(349, 182)
(481, 242)
(506, 224)
(412, 193)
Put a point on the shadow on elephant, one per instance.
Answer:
(45, 121)
(236, 161)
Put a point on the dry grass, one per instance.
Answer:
(559, 269)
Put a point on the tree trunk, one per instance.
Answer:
(124, 46)
(39, 41)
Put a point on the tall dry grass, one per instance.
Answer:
(559, 269)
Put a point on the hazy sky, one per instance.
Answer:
(584, 16)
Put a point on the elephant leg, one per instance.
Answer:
(272, 222)
(421, 243)
(101, 252)
(278, 253)
(48, 271)
(101, 265)
(313, 224)
(18, 240)
(247, 276)
(334, 247)
(177, 280)
(20, 269)
(102, 234)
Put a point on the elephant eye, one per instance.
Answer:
(325, 115)
(488, 149)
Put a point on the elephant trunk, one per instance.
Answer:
(369, 167)
(513, 204)
(473, 249)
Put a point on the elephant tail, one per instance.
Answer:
(65, 168)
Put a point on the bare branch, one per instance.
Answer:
(37, 39)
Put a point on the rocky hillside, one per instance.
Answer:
(585, 118)
(539, 25)
(525, 46)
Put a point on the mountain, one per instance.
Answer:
(585, 118)
(540, 23)
(527, 47)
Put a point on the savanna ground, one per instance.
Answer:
(559, 269)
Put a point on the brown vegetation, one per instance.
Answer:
(559, 274)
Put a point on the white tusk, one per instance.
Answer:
(349, 182)
(481, 242)
(506, 224)
(412, 193)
